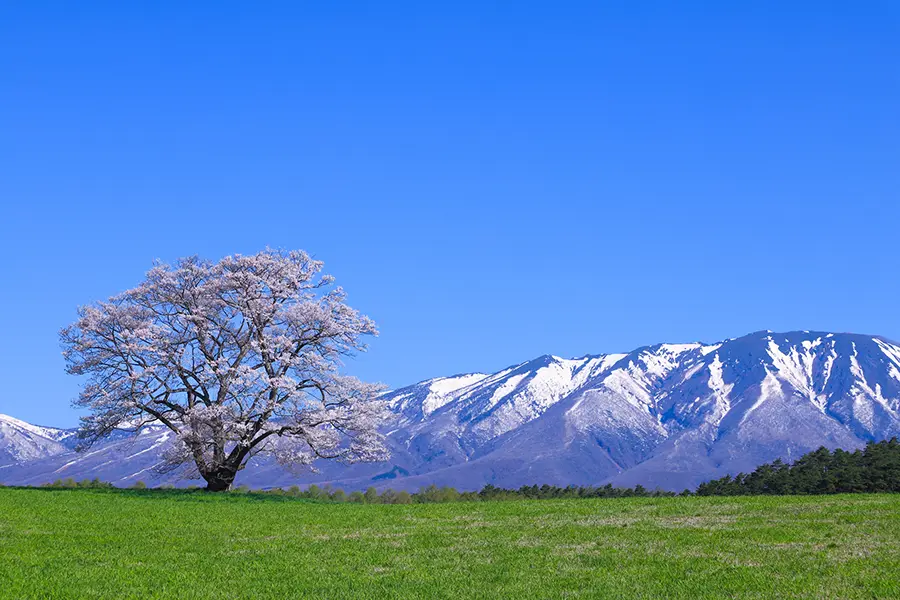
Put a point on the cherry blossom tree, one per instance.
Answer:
(237, 357)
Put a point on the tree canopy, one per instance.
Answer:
(237, 357)
(876, 468)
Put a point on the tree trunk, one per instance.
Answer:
(219, 480)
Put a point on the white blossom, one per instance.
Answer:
(238, 358)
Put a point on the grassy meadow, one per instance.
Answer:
(177, 544)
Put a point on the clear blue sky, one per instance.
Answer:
(489, 183)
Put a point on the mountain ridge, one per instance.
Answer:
(667, 415)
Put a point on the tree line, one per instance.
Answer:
(425, 495)
(875, 468)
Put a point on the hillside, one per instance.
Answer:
(669, 415)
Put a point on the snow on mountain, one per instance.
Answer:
(420, 400)
(669, 415)
(21, 442)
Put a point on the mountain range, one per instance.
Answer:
(668, 416)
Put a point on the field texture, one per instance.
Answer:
(121, 544)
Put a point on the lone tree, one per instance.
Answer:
(237, 358)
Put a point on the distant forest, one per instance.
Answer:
(875, 468)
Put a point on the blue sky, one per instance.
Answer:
(490, 183)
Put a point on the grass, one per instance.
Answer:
(152, 544)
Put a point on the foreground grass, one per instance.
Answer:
(119, 544)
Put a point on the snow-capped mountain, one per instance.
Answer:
(670, 415)
(21, 442)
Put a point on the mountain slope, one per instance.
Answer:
(21, 442)
(669, 415)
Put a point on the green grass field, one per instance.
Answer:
(120, 544)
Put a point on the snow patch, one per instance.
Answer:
(796, 368)
(769, 388)
(893, 355)
(50, 433)
(721, 391)
(862, 390)
(707, 350)
(159, 442)
(441, 390)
